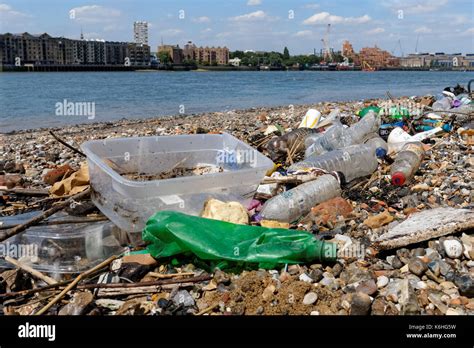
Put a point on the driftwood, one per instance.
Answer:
(67, 145)
(426, 225)
(30, 270)
(26, 192)
(33, 221)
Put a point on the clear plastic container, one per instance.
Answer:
(64, 248)
(129, 203)
(353, 161)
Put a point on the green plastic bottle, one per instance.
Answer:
(366, 110)
(169, 233)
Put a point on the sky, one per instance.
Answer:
(398, 26)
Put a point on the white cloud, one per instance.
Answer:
(205, 31)
(423, 30)
(250, 17)
(415, 6)
(376, 31)
(6, 11)
(326, 18)
(468, 32)
(303, 33)
(254, 2)
(312, 6)
(202, 19)
(171, 32)
(94, 14)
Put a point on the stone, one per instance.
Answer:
(453, 248)
(183, 297)
(360, 304)
(78, 304)
(221, 277)
(465, 284)
(233, 212)
(310, 298)
(436, 300)
(382, 281)
(305, 278)
(11, 180)
(379, 220)
(328, 211)
(367, 287)
(396, 263)
(420, 187)
(316, 275)
(452, 311)
(417, 266)
(408, 300)
(57, 174)
(314, 313)
(268, 292)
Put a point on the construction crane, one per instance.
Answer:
(327, 54)
(416, 46)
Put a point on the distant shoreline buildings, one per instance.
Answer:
(25, 48)
(199, 55)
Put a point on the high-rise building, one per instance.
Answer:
(140, 32)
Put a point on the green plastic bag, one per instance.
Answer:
(169, 233)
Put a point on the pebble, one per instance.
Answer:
(367, 287)
(183, 297)
(305, 278)
(382, 281)
(453, 248)
(310, 298)
(360, 304)
(314, 313)
(417, 266)
(316, 275)
(268, 292)
(78, 304)
(465, 284)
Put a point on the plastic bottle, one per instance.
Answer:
(367, 109)
(406, 163)
(338, 137)
(310, 119)
(292, 204)
(169, 233)
(353, 161)
(398, 138)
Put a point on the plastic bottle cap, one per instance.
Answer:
(380, 152)
(398, 178)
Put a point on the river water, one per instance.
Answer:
(47, 99)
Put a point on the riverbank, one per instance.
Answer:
(419, 278)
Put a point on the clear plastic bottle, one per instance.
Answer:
(406, 163)
(338, 137)
(353, 161)
(292, 204)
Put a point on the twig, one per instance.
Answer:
(208, 309)
(27, 192)
(30, 270)
(67, 145)
(197, 279)
(289, 156)
(62, 222)
(74, 283)
(167, 276)
(33, 221)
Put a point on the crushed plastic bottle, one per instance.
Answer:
(170, 233)
(361, 113)
(399, 137)
(406, 163)
(292, 204)
(353, 161)
(338, 137)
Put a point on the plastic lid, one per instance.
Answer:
(398, 178)
(380, 152)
